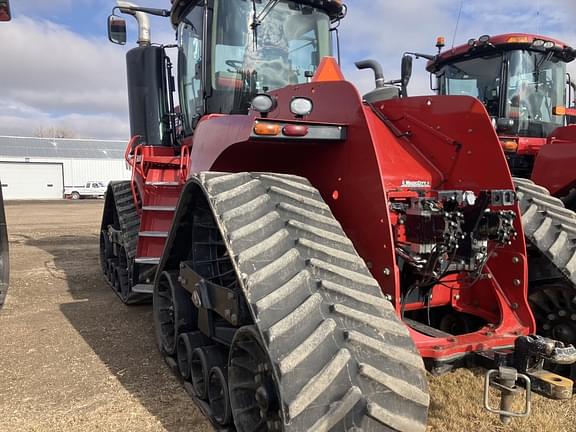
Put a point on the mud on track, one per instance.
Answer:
(72, 358)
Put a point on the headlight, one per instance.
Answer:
(483, 39)
(301, 106)
(538, 43)
(263, 103)
(549, 44)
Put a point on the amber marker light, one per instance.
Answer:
(518, 39)
(440, 42)
(509, 145)
(559, 111)
(270, 129)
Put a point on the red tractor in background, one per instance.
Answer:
(305, 248)
(521, 80)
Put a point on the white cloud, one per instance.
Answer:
(52, 76)
(383, 30)
(55, 75)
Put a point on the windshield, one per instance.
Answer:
(285, 48)
(479, 77)
(536, 84)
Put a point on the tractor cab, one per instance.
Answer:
(521, 80)
(244, 48)
(229, 51)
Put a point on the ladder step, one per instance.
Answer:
(159, 208)
(153, 233)
(143, 288)
(147, 260)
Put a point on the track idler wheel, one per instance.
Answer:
(254, 396)
(202, 360)
(218, 396)
(173, 312)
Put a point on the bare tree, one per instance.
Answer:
(54, 132)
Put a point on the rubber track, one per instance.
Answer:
(549, 226)
(342, 358)
(129, 225)
(127, 215)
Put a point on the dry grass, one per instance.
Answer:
(457, 406)
(72, 358)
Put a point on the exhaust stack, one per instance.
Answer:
(141, 17)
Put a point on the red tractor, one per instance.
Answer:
(308, 250)
(522, 82)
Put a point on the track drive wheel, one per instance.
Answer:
(554, 308)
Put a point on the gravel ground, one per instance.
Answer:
(72, 358)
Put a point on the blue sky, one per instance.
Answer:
(58, 69)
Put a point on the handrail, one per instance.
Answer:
(184, 158)
(130, 147)
(131, 156)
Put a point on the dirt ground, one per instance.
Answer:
(72, 358)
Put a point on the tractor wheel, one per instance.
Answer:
(554, 308)
(317, 346)
(75, 195)
(254, 393)
(219, 396)
(173, 312)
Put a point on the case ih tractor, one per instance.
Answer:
(521, 79)
(308, 250)
(4, 256)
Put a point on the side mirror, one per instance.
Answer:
(5, 10)
(116, 30)
(406, 71)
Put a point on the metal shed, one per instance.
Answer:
(40, 168)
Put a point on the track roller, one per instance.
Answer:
(218, 395)
(184, 354)
(202, 361)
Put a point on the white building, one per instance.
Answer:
(40, 168)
